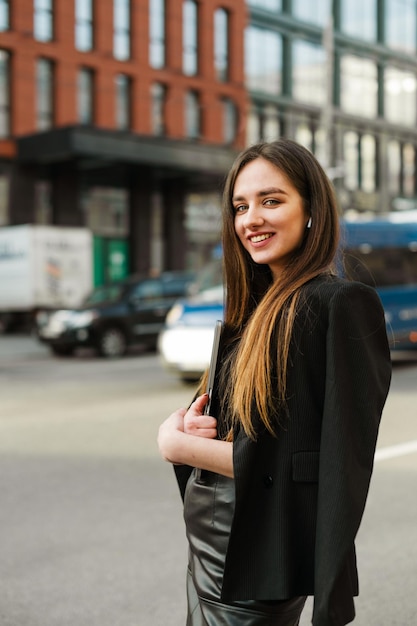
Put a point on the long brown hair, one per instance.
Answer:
(259, 311)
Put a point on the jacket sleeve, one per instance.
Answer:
(358, 373)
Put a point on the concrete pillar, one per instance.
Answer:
(140, 220)
(174, 192)
(22, 194)
(66, 205)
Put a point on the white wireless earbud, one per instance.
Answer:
(309, 223)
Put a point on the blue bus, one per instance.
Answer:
(382, 252)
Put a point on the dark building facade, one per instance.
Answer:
(123, 116)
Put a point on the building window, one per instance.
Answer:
(4, 94)
(123, 101)
(192, 115)
(268, 5)
(270, 123)
(190, 37)
(85, 93)
(359, 154)
(368, 162)
(263, 60)
(221, 44)
(304, 134)
(253, 126)
(264, 124)
(4, 15)
(84, 25)
(394, 167)
(401, 25)
(309, 73)
(44, 94)
(358, 86)
(229, 121)
(121, 29)
(350, 160)
(317, 12)
(158, 98)
(359, 19)
(400, 96)
(43, 20)
(157, 33)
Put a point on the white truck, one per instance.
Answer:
(42, 267)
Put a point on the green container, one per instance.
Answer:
(111, 260)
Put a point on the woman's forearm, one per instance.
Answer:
(208, 454)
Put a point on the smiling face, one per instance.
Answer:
(270, 219)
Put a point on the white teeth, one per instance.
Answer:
(258, 238)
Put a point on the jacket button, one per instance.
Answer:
(268, 481)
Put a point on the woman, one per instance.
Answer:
(275, 480)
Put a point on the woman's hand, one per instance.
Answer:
(168, 432)
(198, 424)
(183, 423)
(189, 438)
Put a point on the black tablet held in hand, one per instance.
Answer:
(213, 365)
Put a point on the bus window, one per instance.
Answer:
(381, 267)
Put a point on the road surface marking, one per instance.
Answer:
(391, 452)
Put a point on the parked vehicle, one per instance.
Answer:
(42, 267)
(115, 316)
(185, 343)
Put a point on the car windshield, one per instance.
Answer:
(210, 276)
(106, 293)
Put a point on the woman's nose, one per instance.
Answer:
(253, 217)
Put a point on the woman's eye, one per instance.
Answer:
(240, 208)
(271, 202)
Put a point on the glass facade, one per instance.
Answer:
(4, 15)
(263, 60)
(85, 96)
(44, 94)
(4, 94)
(340, 76)
(318, 12)
(43, 20)
(123, 101)
(268, 5)
(359, 19)
(84, 39)
(157, 33)
(401, 25)
(359, 86)
(309, 72)
(121, 29)
(190, 37)
(400, 96)
(221, 44)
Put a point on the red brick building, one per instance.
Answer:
(113, 111)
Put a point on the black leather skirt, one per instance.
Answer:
(208, 512)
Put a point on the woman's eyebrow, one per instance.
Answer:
(262, 193)
(266, 192)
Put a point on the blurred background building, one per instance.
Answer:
(124, 115)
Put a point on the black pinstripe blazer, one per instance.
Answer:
(300, 496)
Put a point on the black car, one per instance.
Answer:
(115, 316)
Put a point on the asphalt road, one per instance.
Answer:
(90, 517)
